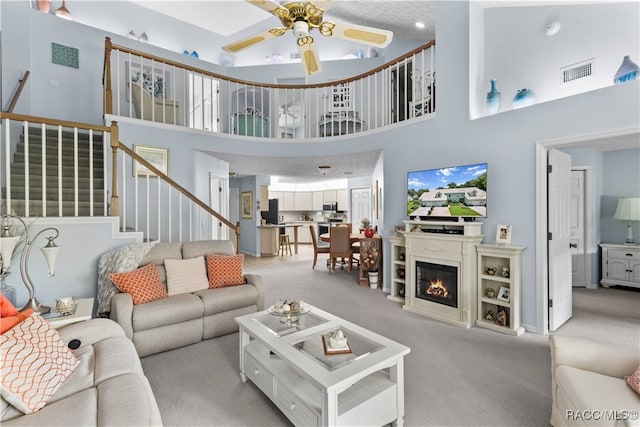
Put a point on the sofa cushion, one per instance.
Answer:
(582, 389)
(79, 409)
(224, 270)
(35, 363)
(174, 309)
(143, 284)
(633, 380)
(160, 252)
(203, 247)
(186, 275)
(228, 298)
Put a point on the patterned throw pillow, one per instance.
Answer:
(9, 315)
(186, 275)
(143, 284)
(35, 363)
(224, 270)
(634, 380)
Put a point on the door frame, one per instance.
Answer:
(542, 267)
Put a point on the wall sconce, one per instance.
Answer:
(628, 209)
(50, 251)
(63, 12)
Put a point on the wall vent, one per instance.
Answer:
(577, 71)
(295, 56)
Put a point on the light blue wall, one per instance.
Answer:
(621, 178)
(506, 141)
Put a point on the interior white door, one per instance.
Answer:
(234, 209)
(577, 224)
(558, 220)
(360, 206)
(219, 202)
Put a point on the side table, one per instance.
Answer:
(84, 311)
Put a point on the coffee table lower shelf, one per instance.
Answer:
(370, 401)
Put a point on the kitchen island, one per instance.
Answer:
(270, 235)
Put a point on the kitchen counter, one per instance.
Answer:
(286, 225)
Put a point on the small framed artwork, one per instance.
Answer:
(503, 294)
(503, 234)
(158, 157)
(246, 204)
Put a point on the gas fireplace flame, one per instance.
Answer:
(437, 288)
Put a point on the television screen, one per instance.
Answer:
(459, 191)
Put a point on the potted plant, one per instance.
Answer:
(369, 258)
(364, 224)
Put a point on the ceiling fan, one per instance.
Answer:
(302, 17)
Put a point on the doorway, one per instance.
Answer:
(624, 139)
(219, 202)
(401, 91)
(581, 227)
(360, 206)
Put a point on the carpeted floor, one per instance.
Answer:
(453, 376)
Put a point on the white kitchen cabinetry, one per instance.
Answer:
(620, 265)
(288, 201)
(317, 200)
(303, 201)
(264, 198)
(330, 196)
(499, 276)
(276, 195)
(269, 241)
(342, 197)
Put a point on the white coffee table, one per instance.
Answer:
(287, 361)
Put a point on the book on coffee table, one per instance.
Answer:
(328, 350)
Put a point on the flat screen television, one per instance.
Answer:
(448, 193)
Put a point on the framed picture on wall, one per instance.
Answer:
(156, 82)
(246, 204)
(158, 157)
(503, 234)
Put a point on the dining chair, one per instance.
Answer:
(340, 245)
(316, 249)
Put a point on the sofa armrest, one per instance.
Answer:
(122, 312)
(607, 359)
(256, 280)
(90, 332)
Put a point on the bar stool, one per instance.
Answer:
(285, 244)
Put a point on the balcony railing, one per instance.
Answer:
(148, 87)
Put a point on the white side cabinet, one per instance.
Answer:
(620, 265)
(499, 282)
(398, 269)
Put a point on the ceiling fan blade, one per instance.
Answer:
(271, 7)
(324, 4)
(357, 33)
(309, 55)
(254, 40)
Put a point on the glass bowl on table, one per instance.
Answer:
(289, 311)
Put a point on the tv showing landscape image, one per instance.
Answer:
(459, 191)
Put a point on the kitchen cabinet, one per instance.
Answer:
(330, 196)
(317, 200)
(269, 241)
(288, 201)
(343, 199)
(276, 195)
(303, 201)
(264, 198)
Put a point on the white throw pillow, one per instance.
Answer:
(186, 275)
(35, 363)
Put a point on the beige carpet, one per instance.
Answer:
(453, 376)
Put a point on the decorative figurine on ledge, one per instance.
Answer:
(491, 271)
(489, 315)
(490, 293)
(502, 316)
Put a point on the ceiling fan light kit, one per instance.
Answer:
(301, 18)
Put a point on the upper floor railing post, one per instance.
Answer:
(115, 143)
(106, 77)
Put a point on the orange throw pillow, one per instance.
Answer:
(9, 315)
(143, 284)
(224, 270)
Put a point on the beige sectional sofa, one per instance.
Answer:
(107, 387)
(184, 319)
(588, 383)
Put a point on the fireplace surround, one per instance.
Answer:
(452, 256)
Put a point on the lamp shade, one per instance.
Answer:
(7, 245)
(628, 209)
(50, 252)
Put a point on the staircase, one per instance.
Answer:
(66, 176)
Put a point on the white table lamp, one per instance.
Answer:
(628, 210)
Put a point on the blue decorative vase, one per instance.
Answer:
(493, 99)
(628, 71)
(523, 98)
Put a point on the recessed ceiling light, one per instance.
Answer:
(347, 173)
(420, 25)
(552, 28)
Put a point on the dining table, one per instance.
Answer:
(359, 237)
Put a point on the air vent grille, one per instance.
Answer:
(295, 56)
(577, 71)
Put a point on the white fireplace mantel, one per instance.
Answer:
(425, 242)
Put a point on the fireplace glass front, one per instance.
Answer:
(437, 283)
